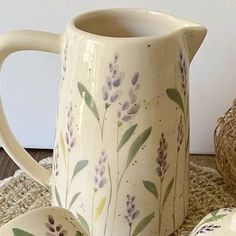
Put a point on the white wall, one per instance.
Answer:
(29, 80)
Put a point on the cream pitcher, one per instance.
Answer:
(120, 160)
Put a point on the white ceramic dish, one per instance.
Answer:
(218, 223)
(49, 221)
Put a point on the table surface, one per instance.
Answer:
(8, 167)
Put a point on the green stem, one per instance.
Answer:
(103, 121)
(109, 203)
(118, 180)
(93, 212)
(67, 180)
(176, 175)
(130, 229)
(160, 208)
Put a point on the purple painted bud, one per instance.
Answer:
(133, 109)
(102, 170)
(110, 67)
(115, 58)
(132, 96)
(115, 71)
(102, 182)
(115, 96)
(135, 215)
(105, 93)
(135, 78)
(109, 82)
(125, 106)
(126, 118)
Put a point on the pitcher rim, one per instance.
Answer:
(183, 25)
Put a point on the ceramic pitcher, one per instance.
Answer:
(121, 146)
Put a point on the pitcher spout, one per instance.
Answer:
(194, 36)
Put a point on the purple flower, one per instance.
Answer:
(54, 229)
(115, 96)
(70, 137)
(64, 63)
(130, 107)
(100, 171)
(161, 158)
(135, 78)
(110, 91)
(180, 133)
(183, 71)
(229, 209)
(131, 212)
(207, 228)
(55, 161)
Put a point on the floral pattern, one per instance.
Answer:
(70, 136)
(207, 228)
(183, 71)
(53, 228)
(161, 158)
(130, 107)
(100, 179)
(55, 161)
(130, 136)
(131, 212)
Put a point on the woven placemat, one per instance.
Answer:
(208, 191)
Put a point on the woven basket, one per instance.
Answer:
(225, 145)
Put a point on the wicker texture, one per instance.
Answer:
(225, 145)
(208, 191)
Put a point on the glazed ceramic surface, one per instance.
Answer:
(50, 221)
(218, 223)
(122, 137)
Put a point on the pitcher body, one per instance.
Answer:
(121, 148)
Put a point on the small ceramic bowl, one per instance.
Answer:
(49, 221)
(218, 223)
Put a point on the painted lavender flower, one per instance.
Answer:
(207, 228)
(228, 209)
(183, 71)
(100, 170)
(131, 212)
(64, 63)
(54, 229)
(111, 91)
(70, 136)
(180, 133)
(130, 107)
(161, 157)
(55, 161)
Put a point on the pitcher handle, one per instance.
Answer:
(9, 43)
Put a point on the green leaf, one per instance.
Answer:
(100, 207)
(79, 166)
(137, 144)
(214, 213)
(151, 187)
(74, 199)
(128, 133)
(214, 218)
(78, 234)
(83, 222)
(58, 197)
(84, 93)
(63, 146)
(175, 96)
(168, 190)
(20, 232)
(143, 224)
